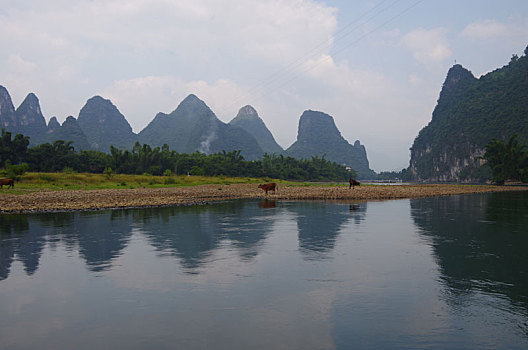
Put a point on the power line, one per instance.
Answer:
(352, 43)
(259, 90)
(319, 48)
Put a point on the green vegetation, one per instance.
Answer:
(60, 156)
(470, 112)
(507, 161)
(390, 175)
(86, 181)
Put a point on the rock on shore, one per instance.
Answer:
(51, 201)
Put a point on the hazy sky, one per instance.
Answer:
(376, 66)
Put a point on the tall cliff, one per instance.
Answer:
(468, 114)
(318, 136)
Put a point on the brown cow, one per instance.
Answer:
(8, 182)
(272, 186)
(353, 183)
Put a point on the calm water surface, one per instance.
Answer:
(437, 273)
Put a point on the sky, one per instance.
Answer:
(376, 67)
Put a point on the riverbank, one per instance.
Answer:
(67, 200)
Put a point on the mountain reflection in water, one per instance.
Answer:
(189, 233)
(436, 273)
(480, 243)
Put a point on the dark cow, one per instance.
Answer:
(272, 186)
(7, 182)
(353, 183)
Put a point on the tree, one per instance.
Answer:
(507, 161)
(15, 150)
(52, 157)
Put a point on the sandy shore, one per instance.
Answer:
(52, 201)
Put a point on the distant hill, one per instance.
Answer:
(27, 119)
(318, 136)
(70, 130)
(104, 125)
(468, 114)
(7, 110)
(249, 120)
(30, 120)
(192, 126)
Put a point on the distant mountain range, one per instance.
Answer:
(191, 127)
(194, 127)
(469, 113)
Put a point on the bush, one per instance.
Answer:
(15, 171)
(108, 172)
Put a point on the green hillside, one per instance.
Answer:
(470, 112)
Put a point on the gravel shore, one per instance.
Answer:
(55, 201)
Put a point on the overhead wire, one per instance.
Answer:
(325, 44)
(314, 51)
(258, 91)
(350, 44)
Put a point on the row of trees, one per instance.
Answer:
(56, 156)
(507, 160)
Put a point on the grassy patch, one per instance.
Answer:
(32, 182)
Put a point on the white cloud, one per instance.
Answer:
(512, 33)
(428, 46)
(414, 79)
(94, 45)
(140, 99)
(19, 65)
(486, 29)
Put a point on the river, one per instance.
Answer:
(437, 273)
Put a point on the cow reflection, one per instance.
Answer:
(354, 207)
(267, 204)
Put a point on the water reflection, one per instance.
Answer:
(97, 239)
(191, 234)
(319, 225)
(18, 240)
(100, 240)
(445, 272)
(480, 243)
(358, 211)
(266, 203)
